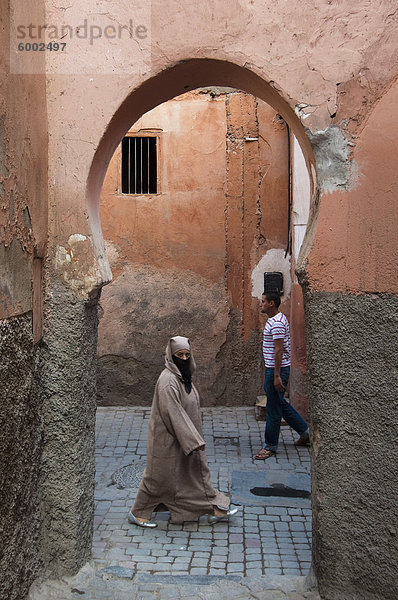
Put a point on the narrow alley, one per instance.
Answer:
(264, 552)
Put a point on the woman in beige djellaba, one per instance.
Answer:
(176, 473)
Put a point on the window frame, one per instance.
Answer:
(150, 133)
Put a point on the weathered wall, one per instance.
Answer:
(183, 259)
(175, 300)
(68, 394)
(23, 192)
(20, 448)
(326, 83)
(351, 286)
(330, 64)
(256, 202)
(23, 218)
(353, 392)
(172, 228)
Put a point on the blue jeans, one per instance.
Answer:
(277, 407)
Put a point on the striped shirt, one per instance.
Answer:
(276, 328)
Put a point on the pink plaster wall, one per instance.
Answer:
(318, 64)
(222, 203)
(183, 225)
(356, 244)
(306, 71)
(308, 74)
(23, 192)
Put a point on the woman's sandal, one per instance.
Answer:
(263, 454)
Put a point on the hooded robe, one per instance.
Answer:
(175, 475)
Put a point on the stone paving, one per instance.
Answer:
(263, 552)
(260, 539)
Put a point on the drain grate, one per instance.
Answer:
(128, 476)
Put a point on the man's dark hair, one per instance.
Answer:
(273, 297)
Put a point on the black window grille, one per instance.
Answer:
(139, 165)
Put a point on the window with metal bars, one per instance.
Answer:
(139, 165)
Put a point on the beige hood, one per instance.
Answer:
(168, 360)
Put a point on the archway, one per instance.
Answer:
(178, 79)
(190, 254)
(182, 77)
(164, 87)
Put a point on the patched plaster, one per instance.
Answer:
(273, 260)
(335, 168)
(81, 275)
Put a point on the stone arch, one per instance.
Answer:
(182, 77)
(69, 407)
(346, 484)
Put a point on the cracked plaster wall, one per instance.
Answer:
(339, 86)
(23, 218)
(296, 59)
(181, 301)
(333, 63)
(350, 292)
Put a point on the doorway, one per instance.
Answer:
(289, 544)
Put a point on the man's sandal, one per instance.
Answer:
(263, 454)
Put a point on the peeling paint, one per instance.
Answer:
(62, 256)
(11, 206)
(335, 168)
(73, 263)
(15, 278)
(27, 221)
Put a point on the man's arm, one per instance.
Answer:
(278, 362)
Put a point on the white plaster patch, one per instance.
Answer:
(299, 110)
(62, 256)
(83, 283)
(273, 260)
(75, 238)
(86, 284)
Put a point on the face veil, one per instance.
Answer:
(184, 367)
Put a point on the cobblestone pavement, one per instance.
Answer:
(263, 552)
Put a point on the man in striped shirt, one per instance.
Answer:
(276, 351)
